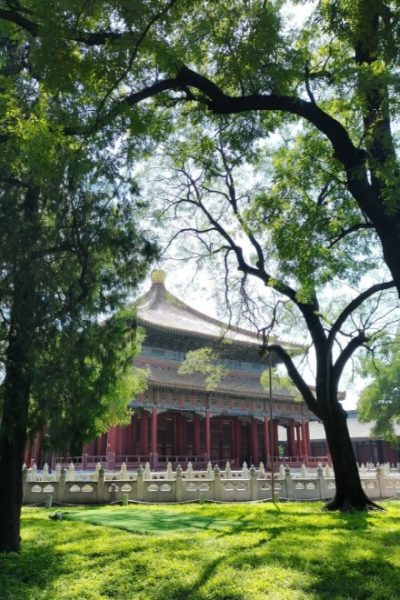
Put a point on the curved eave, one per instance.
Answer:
(294, 349)
(225, 391)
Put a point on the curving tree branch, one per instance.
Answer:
(297, 379)
(354, 304)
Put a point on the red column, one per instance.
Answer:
(208, 436)
(254, 442)
(37, 447)
(304, 440)
(267, 442)
(112, 441)
(291, 440)
(196, 441)
(298, 441)
(153, 441)
(133, 434)
(276, 437)
(308, 440)
(238, 440)
(144, 433)
(122, 437)
(27, 454)
(88, 450)
(181, 435)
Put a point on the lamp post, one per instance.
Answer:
(271, 428)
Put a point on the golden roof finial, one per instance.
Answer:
(158, 276)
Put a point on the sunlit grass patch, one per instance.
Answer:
(206, 552)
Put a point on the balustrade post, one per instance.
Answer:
(217, 484)
(139, 484)
(253, 484)
(380, 476)
(289, 484)
(24, 484)
(100, 486)
(323, 487)
(61, 486)
(178, 484)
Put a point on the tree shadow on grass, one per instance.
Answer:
(34, 568)
(358, 570)
(359, 578)
(356, 520)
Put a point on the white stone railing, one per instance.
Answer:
(65, 486)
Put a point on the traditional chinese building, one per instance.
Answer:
(177, 420)
(367, 447)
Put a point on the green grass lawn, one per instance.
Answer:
(205, 552)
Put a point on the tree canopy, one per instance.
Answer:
(336, 72)
(380, 399)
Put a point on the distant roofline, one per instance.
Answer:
(158, 289)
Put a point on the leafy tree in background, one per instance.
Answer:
(380, 400)
(336, 73)
(84, 381)
(71, 251)
(69, 256)
(280, 233)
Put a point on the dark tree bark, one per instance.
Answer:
(16, 386)
(349, 495)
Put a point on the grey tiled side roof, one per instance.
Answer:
(160, 308)
(357, 430)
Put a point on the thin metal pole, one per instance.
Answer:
(271, 428)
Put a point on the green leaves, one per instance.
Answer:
(79, 249)
(205, 361)
(84, 380)
(280, 381)
(380, 400)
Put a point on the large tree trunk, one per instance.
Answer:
(349, 495)
(18, 373)
(13, 426)
(12, 443)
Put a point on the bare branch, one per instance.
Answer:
(349, 230)
(346, 353)
(351, 307)
(295, 376)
